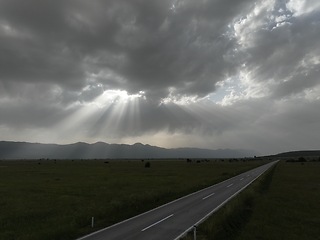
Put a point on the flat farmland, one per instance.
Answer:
(56, 199)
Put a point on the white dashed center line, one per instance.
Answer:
(230, 185)
(207, 196)
(157, 223)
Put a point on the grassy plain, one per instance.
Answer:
(56, 199)
(291, 208)
(281, 204)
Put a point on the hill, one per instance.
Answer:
(295, 154)
(101, 150)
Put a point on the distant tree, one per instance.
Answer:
(147, 165)
(301, 159)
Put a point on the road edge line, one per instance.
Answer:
(154, 209)
(217, 208)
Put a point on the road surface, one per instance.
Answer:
(173, 220)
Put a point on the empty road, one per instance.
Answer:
(175, 219)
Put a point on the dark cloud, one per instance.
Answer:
(131, 70)
(150, 46)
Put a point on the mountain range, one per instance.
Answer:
(101, 150)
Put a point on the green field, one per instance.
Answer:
(291, 208)
(282, 204)
(56, 199)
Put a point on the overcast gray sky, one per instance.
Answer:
(171, 73)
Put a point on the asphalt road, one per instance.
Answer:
(175, 219)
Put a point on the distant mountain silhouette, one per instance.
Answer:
(101, 150)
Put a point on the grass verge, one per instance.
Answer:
(230, 219)
(283, 204)
(291, 209)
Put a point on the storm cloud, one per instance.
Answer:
(209, 73)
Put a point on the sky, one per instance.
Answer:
(216, 74)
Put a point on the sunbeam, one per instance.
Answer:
(104, 116)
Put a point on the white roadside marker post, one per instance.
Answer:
(92, 221)
(195, 232)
